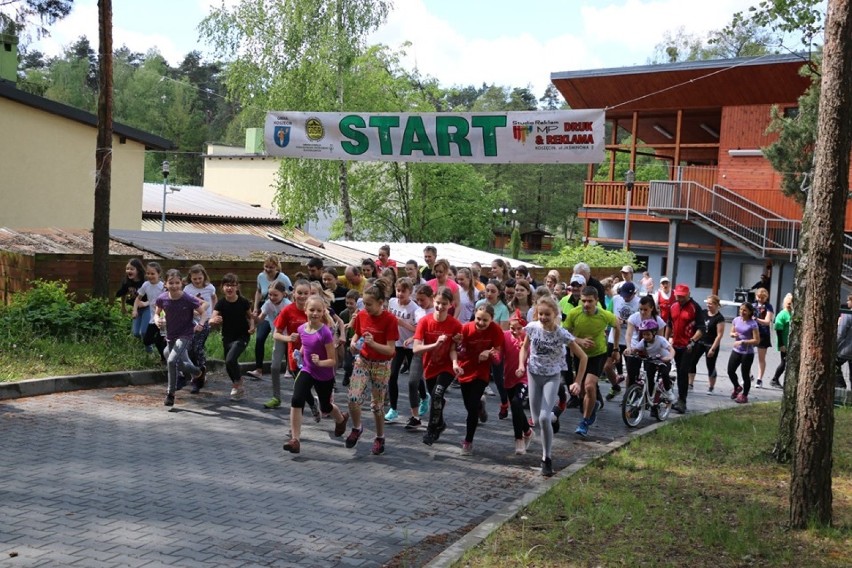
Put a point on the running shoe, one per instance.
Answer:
(520, 447)
(613, 391)
(670, 395)
(709, 390)
(582, 428)
(199, 381)
(424, 405)
(429, 438)
(489, 391)
(170, 399)
(181, 382)
(273, 402)
(340, 427)
(529, 435)
(737, 391)
(547, 467)
(776, 384)
(679, 407)
(467, 448)
(293, 446)
(413, 423)
(378, 447)
(760, 383)
(391, 416)
(741, 399)
(483, 412)
(255, 375)
(353, 436)
(554, 423)
(504, 411)
(238, 391)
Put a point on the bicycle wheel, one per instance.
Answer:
(633, 406)
(663, 409)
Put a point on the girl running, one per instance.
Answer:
(441, 270)
(543, 344)
(269, 313)
(271, 273)
(233, 313)
(148, 293)
(714, 329)
(746, 335)
(423, 296)
(317, 372)
(764, 314)
(374, 341)
(434, 338)
(404, 309)
(494, 297)
(134, 277)
(179, 325)
(286, 328)
(467, 295)
(200, 287)
(481, 343)
(516, 384)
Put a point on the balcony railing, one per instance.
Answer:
(613, 195)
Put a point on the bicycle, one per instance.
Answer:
(640, 397)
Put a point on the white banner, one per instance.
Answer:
(545, 137)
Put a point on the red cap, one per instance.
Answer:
(681, 290)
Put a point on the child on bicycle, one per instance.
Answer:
(655, 351)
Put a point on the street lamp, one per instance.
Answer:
(504, 212)
(165, 179)
(629, 179)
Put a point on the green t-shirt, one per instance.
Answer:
(592, 326)
(782, 327)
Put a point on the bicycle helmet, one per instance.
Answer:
(648, 325)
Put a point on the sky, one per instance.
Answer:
(459, 42)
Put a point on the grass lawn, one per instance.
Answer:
(47, 357)
(699, 492)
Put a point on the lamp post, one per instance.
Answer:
(504, 213)
(629, 179)
(165, 179)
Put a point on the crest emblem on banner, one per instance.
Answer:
(281, 134)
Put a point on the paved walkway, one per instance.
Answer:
(112, 478)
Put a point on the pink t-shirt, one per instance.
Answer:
(511, 359)
(316, 343)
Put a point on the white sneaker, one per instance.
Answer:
(238, 391)
(520, 447)
(670, 395)
(489, 391)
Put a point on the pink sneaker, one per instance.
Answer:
(741, 399)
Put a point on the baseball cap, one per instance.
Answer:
(579, 279)
(627, 289)
(664, 279)
(681, 290)
(627, 268)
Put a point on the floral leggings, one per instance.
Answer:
(377, 374)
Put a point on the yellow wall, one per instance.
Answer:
(249, 178)
(47, 178)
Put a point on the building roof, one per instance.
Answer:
(714, 83)
(456, 254)
(195, 201)
(8, 90)
(209, 246)
(58, 241)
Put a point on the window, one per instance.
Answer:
(664, 270)
(704, 274)
(641, 261)
(791, 112)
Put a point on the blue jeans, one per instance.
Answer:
(140, 322)
(177, 359)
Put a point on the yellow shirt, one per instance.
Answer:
(345, 282)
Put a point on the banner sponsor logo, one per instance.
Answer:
(507, 137)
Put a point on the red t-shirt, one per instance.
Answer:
(512, 359)
(384, 329)
(428, 331)
(451, 284)
(473, 343)
(684, 321)
(288, 321)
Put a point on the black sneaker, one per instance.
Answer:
(198, 382)
(776, 384)
(181, 382)
(547, 467)
(555, 425)
(170, 399)
(413, 423)
(429, 438)
(679, 407)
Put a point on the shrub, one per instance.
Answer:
(595, 256)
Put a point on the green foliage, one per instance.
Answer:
(792, 153)
(49, 310)
(595, 256)
(805, 17)
(515, 243)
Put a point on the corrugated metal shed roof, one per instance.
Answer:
(195, 200)
(209, 246)
(207, 227)
(456, 254)
(57, 241)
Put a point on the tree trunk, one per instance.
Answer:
(345, 207)
(785, 443)
(810, 485)
(103, 156)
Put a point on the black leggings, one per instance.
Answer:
(472, 392)
(783, 367)
(685, 360)
(155, 338)
(437, 386)
(401, 355)
(416, 384)
(497, 377)
(302, 392)
(744, 360)
(517, 395)
(262, 331)
(702, 349)
(233, 350)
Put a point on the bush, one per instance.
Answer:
(49, 310)
(595, 256)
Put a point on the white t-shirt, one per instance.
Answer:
(656, 350)
(467, 306)
(205, 294)
(547, 348)
(403, 313)
(623, 310)
(152, 292)
(635, 319)
(270, 311)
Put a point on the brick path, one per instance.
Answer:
(112, 478)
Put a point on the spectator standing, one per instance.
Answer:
(664, 298)
(646, 284)
(685, 327)
(782, 333)
(384, 260)
(430, 255)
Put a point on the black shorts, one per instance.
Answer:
(595, 365)
(765, 342)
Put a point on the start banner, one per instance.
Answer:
(534, 137)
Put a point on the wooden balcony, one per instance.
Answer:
(613, 195)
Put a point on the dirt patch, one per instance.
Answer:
(428, 548)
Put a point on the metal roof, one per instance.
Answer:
(193, 200)
(172, 245)
(456, 254)
(51, 240)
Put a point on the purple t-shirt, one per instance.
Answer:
(179, 315)
(315, 343)
(745, 332)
